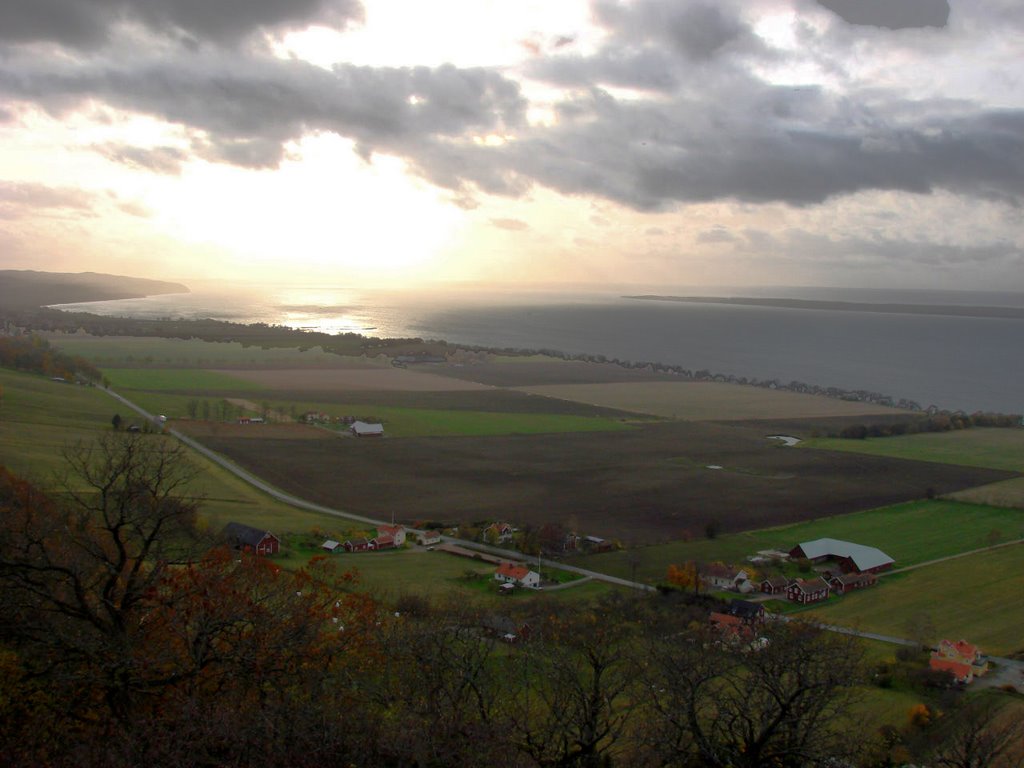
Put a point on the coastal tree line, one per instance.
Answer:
(267, 336)
(129, 636)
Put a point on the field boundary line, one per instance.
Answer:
(952, 557)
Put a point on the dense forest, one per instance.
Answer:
(129, 636)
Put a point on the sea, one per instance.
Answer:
(953, 362)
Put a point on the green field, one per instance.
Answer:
(402, 421)
(170, 379)
(38, 417)
(978, 598)
(134, 351)
(911, 533)
(978, 447)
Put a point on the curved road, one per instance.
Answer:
(295, 501)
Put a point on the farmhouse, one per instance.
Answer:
(847, 582)
(356, 545)
(427, 538)
(362, 429)
(396, 532)
(245, 538)
(382, 541)
(718, 576)
(809, 591)
(514, 573)
(852, 558)
(961, 659)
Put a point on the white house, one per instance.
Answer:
(514, 573)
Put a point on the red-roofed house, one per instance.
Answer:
(497, 533)
(807, 591)
(514, 573)
(382, 541)
(961, 659)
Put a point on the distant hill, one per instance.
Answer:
(28, 288)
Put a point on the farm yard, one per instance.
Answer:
(912, 533)
(705, 401)
(647, 484)
(976, 597)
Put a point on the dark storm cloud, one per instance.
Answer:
(893, 14)
(167, 160)
(798, 148)
(709, 130)
(250, 107)
(867, 251)
(653, 45)
(89, 23)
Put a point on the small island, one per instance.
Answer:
(949, 310)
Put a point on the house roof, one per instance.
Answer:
(777, 582)
(330, 544)
(363, 428)
(513, 571)
(863, 557)
(810, 585)
(239, 534)
(961, 649)
(360, 542)
(384, 538)
(960, 669)
(391, 530)
(848, 579)
(719, 571)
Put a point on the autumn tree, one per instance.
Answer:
(980, 734)
(779, 701)
(573, 689)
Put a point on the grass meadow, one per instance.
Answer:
(978, 598)
(978, 447)
(164, 379)
(911, 533)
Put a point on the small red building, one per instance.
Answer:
(807, 591)
(356, 545)
(245, 538)
(848, 582)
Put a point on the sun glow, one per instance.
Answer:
(326, 210)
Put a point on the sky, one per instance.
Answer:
(864, 143)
